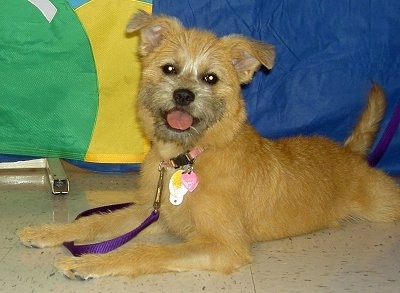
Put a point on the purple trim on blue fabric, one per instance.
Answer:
(386, 138)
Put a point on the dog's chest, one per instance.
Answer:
(178, 219)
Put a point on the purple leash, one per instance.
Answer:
(109, 245)
(386, 138)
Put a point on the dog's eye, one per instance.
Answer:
(210, 78)
(169, 69)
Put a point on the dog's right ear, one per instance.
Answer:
(152, 29)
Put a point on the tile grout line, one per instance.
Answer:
(5, 255)
(252, 279)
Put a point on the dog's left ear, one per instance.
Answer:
(152, 28)
(248, 55)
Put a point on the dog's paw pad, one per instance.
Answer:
(76, 268)
(30, 238)
(74, 275)
(38, 237)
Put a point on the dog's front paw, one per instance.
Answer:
(39, 237)
(85, 267)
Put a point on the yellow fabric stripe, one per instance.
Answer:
(117, 138)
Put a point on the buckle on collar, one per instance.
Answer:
(182, 160)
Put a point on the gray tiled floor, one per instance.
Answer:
(358, 257)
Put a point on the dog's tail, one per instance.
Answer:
(364, 133)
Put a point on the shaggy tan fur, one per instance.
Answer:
(250, 188)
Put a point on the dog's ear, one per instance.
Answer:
(152, 29)
(248, 55)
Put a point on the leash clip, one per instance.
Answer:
(160, 185)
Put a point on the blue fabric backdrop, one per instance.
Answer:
(328, 52)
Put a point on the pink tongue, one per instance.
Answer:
(179, 120)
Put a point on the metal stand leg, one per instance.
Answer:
(57, 178)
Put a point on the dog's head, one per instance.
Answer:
(190, 85)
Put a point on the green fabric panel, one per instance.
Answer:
(48, 82)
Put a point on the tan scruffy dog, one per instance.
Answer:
(249, 188)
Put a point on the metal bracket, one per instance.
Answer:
(55, 171)
(57, 177)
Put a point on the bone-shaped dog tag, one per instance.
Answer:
(175, 199)
(177, 190)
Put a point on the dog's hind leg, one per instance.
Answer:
(379, 200)
(152, 259)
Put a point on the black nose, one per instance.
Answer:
(183, 97)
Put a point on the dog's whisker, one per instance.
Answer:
(191, 127)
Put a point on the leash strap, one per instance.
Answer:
(109, 245)
(386, 138)
(104, 209)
